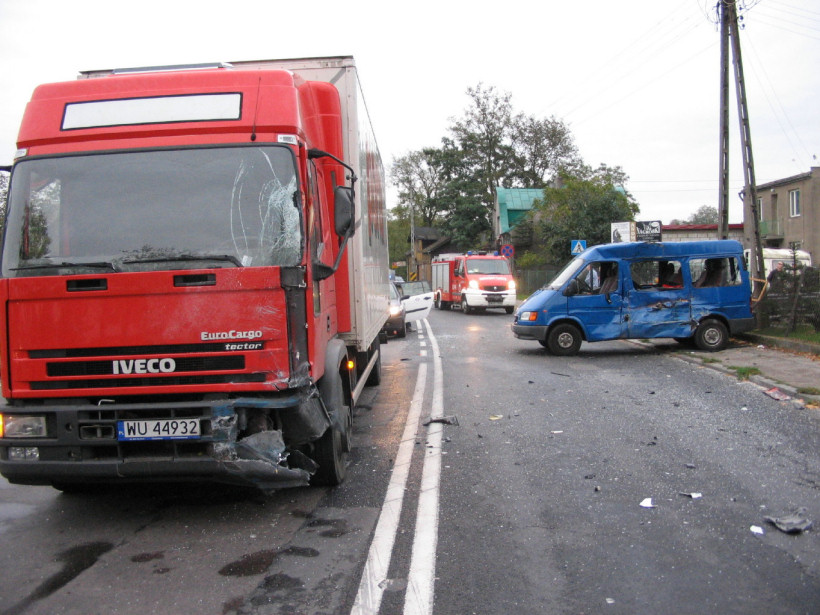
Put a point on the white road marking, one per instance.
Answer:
(418, 599)
(369, 597)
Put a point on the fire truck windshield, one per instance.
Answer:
(150, 210)
(488, 266)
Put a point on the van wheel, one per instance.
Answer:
(564, 340)
(711, 335)
(330, 451)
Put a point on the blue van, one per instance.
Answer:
(691, 291)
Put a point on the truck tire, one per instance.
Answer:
(711, 335)
(464, 307)
(441, 305)
(564, 340)
(330, 451)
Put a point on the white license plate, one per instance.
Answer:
(164, 429)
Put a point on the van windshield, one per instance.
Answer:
(153, 210)
(567, 273)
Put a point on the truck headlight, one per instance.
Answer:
(24, 453)
(473, 284)
(511, 285)
(22, 426)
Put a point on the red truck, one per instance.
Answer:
(474, 281)
(194, 276)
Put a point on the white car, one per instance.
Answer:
(417, 299)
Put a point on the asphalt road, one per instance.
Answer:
(524, 497)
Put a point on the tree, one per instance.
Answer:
(421, 181)
(706, 214)
(543, 147)
(483, 136)
(582, 208)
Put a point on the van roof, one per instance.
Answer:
(661, 250)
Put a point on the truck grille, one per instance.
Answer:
(192, 364)
(144, 366)
(494, 288)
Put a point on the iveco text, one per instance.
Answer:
(145, 366)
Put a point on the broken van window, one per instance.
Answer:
(656, 274)
(712, 272)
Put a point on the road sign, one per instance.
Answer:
(577, 246)
(507, 251)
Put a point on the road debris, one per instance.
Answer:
(777, 394)
(647, 503)
(756, 529)
(793, 523)
(444, 420)
(694, 495)
(496, 417)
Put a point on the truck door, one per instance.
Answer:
(598, 302)
(658, 300)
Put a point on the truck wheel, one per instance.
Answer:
(464, 307)
(564, 340)
(509, 310)
(330, 451)
(711, 335)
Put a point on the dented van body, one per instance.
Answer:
(691, 291)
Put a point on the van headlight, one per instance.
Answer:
(528, 317)
(22, 426)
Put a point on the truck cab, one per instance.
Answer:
(475, 281)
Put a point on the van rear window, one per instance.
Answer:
(711, 272)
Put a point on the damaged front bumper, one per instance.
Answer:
(259, 442)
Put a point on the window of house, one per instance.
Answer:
(794, 203)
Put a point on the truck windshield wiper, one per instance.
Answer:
(184, 257)
(64, 264)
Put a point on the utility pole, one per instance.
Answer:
(730, 30)
(723, 196)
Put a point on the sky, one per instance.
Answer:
(636, 81)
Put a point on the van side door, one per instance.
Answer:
(658, 300)
(594, 298)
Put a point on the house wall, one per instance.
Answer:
(778, 228)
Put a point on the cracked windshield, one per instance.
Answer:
(153, 210)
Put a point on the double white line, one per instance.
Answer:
(420, 583)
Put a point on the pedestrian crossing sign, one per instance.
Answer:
(577, 246)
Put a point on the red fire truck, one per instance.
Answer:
(474, 281)
(194, 276)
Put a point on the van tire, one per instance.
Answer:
(564, 340)
(711, 335)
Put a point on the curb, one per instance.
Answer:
(760, 380)
(779, 342)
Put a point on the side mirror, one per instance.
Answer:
(343, 205)
(572, 289)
